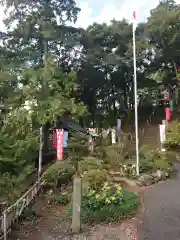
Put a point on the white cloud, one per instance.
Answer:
(118, 12)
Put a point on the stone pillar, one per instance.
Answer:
(76, 211)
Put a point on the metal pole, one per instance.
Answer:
(40, 153)
(136, 104)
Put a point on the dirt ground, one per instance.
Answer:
(52, 223)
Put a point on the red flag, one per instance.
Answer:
(134, 21)
(134, 15)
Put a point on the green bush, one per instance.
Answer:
(90, 163)
(115, 155)
(173, 136)
(13, 186)
(8, 188)
(109, 204)
(94, 179)
(100, 151)
(59, 173)
(153, 160)
(29, 215)
(58, 198)
(144, 165)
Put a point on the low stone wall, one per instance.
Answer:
(127, 174)
(147, 179)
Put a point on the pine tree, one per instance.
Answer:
(77, 148)
(42, 90)
(40, 28)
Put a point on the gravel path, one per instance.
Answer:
(160, 219)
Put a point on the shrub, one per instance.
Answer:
(8, 188)
(144, 165)
(115, 155)
(89, 163)
(94, 179)
(58, 198)
(109, 204)
(29, 215)
(173, 136)
(153, 160)
(100, 151)
(59, 173)
(13, 186)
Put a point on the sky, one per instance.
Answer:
(106, 10)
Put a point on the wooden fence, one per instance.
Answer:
(12, 213)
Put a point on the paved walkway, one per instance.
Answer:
(161, 217)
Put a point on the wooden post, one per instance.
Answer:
(5, 225)
(165, 122)
(162, 132)
(40, 153)
(76, 211)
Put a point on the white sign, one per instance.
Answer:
(113, 136)
(162, 130)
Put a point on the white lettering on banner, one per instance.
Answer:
(60, 139)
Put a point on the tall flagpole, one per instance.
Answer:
(135, 97)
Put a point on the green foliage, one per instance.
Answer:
(78, 145)
(18, 142)
(108, 205)
(8, 187)
(59, 173)
(29, 215)
(11, 186)
(115, 156)
(90, 163)
(100, 151)
(173, 136)
(153, 160)
(94, 178)
(58, 198)
(56, 100)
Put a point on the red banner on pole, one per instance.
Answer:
(168, 113)
(60, 140)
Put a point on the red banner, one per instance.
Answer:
(60, 140)
(168, 113)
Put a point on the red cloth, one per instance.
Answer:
(168, 113)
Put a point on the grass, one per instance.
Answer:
(128, 207)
